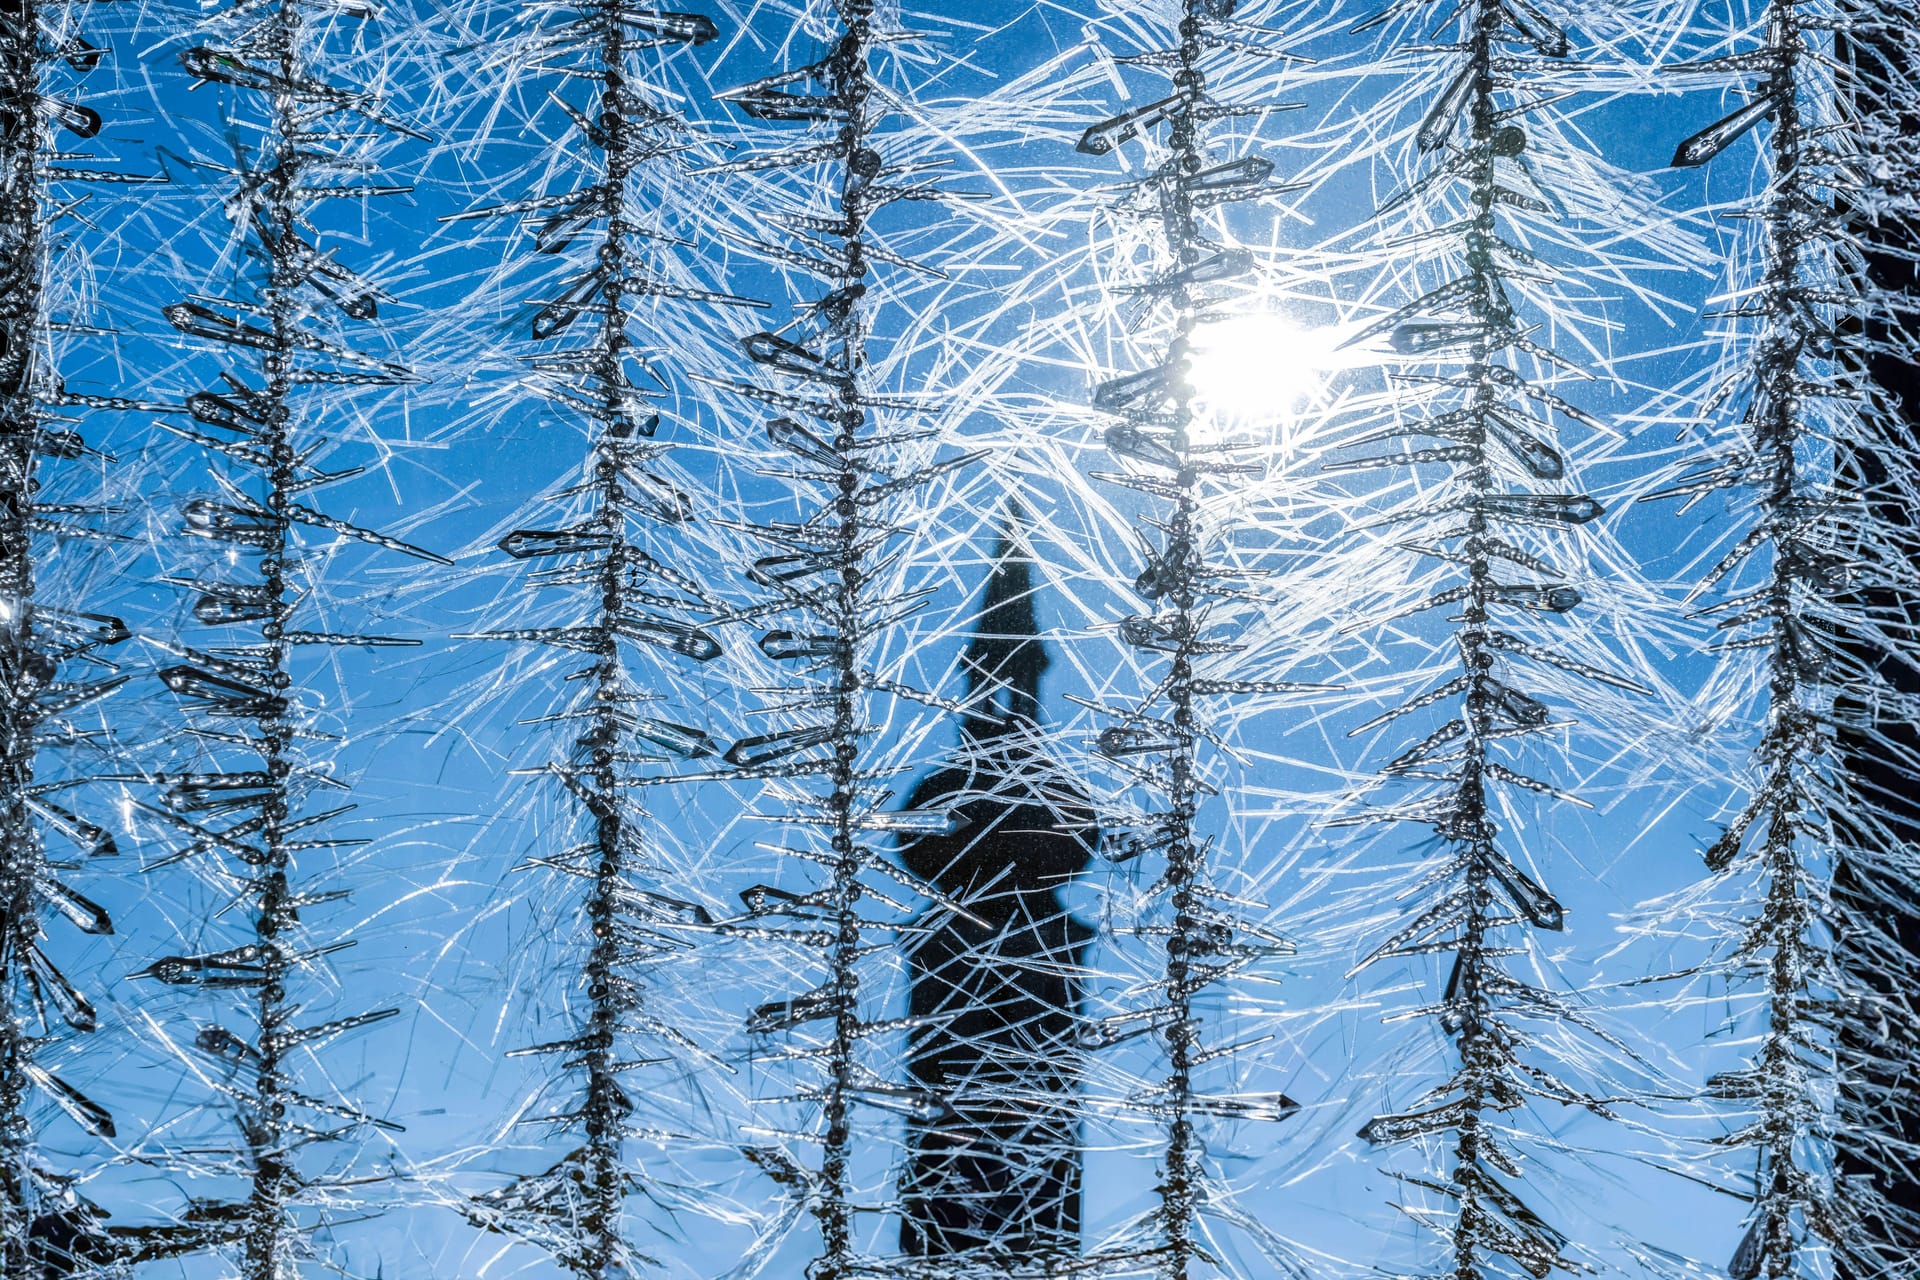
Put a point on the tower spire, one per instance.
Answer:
(995, 1172)
(1005, 659)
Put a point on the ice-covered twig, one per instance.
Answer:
(1205, 65)
(1474, 418)
(57, 647)
(611, 540)
(246, 800)
(862, 474)
(1814, 875)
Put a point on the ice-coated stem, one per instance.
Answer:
(37, 1226)
(1793, 733)
(1789, 829)
(604, 1250)
(268, 1227)
(848, 72)
(576, 1209)
(255, 683)
(832, 574)
(1482, 1055)
(1879, 1117)
(1477, 893)
(1181, 1173)
(20, 855)
(1159, 430)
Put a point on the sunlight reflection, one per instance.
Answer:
(1258, 369)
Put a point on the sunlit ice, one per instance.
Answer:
(1259, 370)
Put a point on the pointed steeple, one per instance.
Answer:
(1005, 659)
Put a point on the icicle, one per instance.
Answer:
(1468, 372)
(237, 805)
(1195, 670)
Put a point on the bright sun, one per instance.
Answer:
(1257, 369)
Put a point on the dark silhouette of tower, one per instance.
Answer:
(994, 1166)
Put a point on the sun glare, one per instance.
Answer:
(1257, 369)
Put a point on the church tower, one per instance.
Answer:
(995, 1174)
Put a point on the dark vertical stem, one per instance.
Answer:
(21, 278)
(843, 602)
(1789, 728)
(603, 1254)
(1181, 1176)
(264, 1234)
(859, 163)
(268, 1237)
(1481, 1055)
(1791, 824)
(576, 1209)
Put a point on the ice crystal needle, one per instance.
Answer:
(244, 814)
(1803, 421)
(56, 648)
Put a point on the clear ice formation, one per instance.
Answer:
(61, 655)
(244, 797)
(821, 302)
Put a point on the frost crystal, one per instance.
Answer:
(58, 651)
(247, 800)
(1810, 436)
